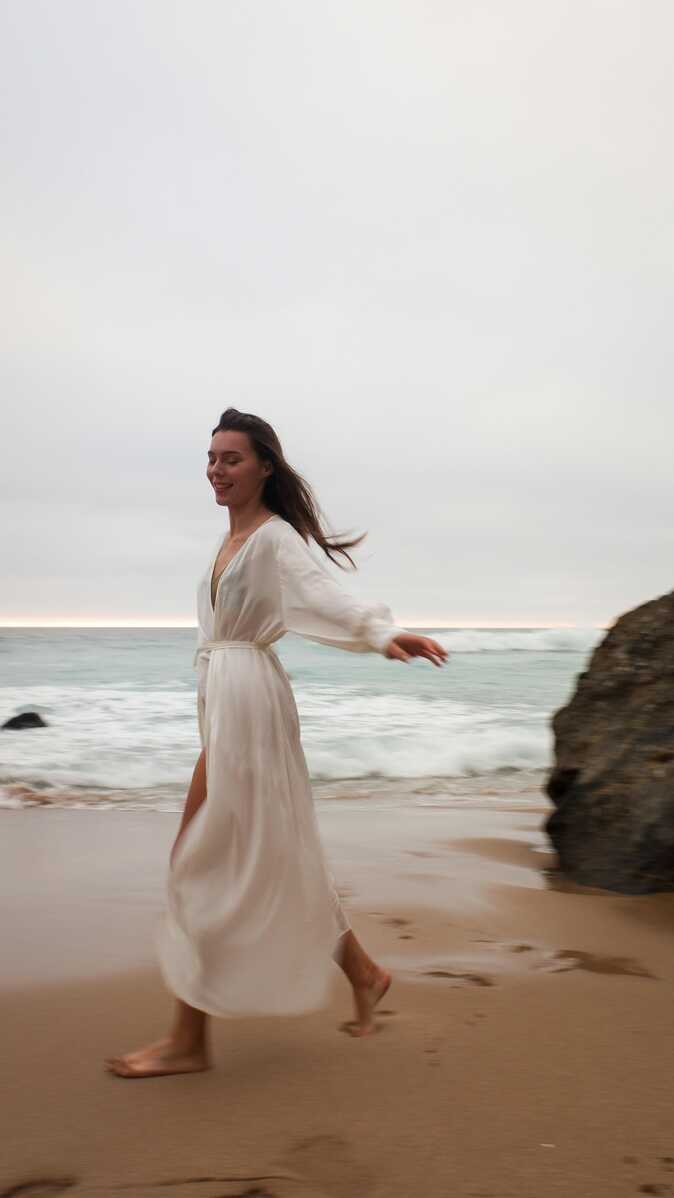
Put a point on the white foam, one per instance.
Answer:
(360, 717)
(102, 737)
(537, 640)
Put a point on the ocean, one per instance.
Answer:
(120, 709)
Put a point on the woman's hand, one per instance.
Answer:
(408, 645)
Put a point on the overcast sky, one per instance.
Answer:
(430, 242)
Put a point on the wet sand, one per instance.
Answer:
(525, 1046)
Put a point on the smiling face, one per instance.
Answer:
(234, 470)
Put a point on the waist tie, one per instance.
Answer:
(207, 646)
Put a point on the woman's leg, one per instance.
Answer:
(195, 797)
(368, 981)
(185, 1049)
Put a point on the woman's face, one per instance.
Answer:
(234, 470)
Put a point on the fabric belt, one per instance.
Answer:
(209, 645)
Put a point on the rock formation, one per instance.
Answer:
(27, 719)
(613, 780)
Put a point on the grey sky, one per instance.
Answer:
(431, 243)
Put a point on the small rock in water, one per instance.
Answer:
(27, 719)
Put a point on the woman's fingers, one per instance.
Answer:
(439, 651)
(417, 646)
(432, 650)
(394, 650)
(434, 657)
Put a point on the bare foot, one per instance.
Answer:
(158, 1059)
(365, 1000)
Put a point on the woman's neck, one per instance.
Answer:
(244, 521)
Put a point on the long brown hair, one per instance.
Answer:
(285, 491)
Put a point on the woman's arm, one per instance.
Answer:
(195, 797)
(316, 607)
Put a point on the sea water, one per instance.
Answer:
(121, 729)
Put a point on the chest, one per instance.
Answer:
(225, 556)
(222, 561)
(236, 562)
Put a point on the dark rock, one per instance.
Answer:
(27, 719)
(613, 780)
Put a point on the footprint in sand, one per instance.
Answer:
(346, 1027)
(327, 1164)
(348, 1024)
(40, 1188)
(539, 959)
(566, 959)
(660, 1188)
(477, 979)
(277, 1184)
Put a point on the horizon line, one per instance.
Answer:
(165, 625)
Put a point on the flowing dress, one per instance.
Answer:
(252, 915)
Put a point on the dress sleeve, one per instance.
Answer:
(315, 606)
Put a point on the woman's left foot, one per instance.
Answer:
(157, 1060)
(365, 999)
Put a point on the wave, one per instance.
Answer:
(477, 752)
(136, 734)
(126, 741)
(535, 640)
(103, 737)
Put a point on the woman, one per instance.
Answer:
(253, 916)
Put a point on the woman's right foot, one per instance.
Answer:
(366, 997)
(158, 1059)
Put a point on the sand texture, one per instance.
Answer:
(525, 1048)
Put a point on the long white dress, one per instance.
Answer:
(252, 915)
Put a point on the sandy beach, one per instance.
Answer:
(525, 1047)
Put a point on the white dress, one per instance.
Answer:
(252, 914)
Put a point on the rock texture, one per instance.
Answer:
(613, 780)
(27, 719)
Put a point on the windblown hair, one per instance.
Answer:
(285, 491)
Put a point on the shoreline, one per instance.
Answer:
(501, 785)
(523, 1047)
